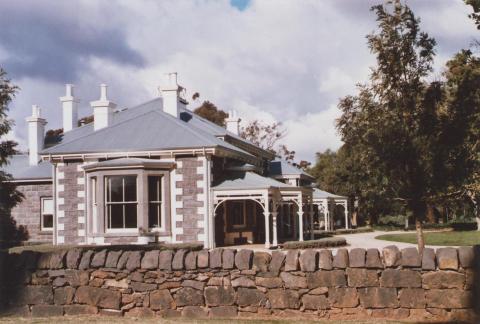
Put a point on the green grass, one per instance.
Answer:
(450, 238)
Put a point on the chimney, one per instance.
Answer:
(232, 123)
(36, 134)
(171, 92)
(69, 107)
(102, 110)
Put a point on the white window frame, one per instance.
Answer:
(161, 202)
(42, 213)
(107, 204)
(244, 224)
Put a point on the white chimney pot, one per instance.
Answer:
(36, 135)
(232, 123)
(173, 103)
(102, 110)
(70, 109)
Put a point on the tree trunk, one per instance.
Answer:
(420, 237)
(430, 214)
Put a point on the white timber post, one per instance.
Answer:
(300, 218)
(312, 235)
(274, 223)
(266, 213)
(346, 214)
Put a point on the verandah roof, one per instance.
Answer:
(249, 180)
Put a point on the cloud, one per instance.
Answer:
(273, 60)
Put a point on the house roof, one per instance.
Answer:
(320, 194)
(281, 167)
(130, 162)
(20, 169)
(142, 128)
(249, 180)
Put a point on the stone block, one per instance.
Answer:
(334, 278)
(315, 302)
(357, 258)
(308, 260)
(46, 310)
(140, 312)
(412, 298)
(277, 262)
(283, 299)
(194, 312)
(343, 297)
(447, 259)
(188, 296)
(243, 282)
(134, 259)
(98, 260)
(391, 256)
(178, 262)
(85, 260)
(293, 282)
(261, 261)
(165, 260)
(291, 262)
(448, 298)
(269, 282)
(43, 261)
(199, 285)
(150, 260)
(122, 260)
(250, 297)
(466, 256)
(191, 260)
(63, 296)
(112, 259)
(104, 298)
(373, 260)
(57, 259)
(223, 312)
(219, 296)
(32, 295)
(73, 258)
(443, 280)
(401, 278)
(228, 259)
(202, 259)
(340, 260)
(76, 310)
(362, 277)
(376, 297)
(428, 259)
(142, 287)
(319, 291)
(411, 258)
(76, 278)
(161, 300)
(325, 260)
(216, 258)
(243, 259)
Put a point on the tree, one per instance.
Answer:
(263, 135)
(393, 124)
(9, 196)
(210, 112)
(475, 15)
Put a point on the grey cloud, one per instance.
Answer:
(56, 46)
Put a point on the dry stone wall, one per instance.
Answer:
(225, 283)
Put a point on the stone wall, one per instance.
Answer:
(27, 212)
(309, 284)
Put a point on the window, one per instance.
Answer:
(154, 201)
(46, 214)
(121, 202)
(236, 213)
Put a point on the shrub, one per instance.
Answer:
(354, 230)
(313, 244)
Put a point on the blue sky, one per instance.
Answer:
(272, 60)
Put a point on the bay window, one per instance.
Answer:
(155, 201)
(121, 201)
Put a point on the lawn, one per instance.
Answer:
(447, 238)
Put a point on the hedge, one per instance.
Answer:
(313, 244)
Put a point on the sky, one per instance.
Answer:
(272, 60)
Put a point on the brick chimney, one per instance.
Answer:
(173, 102)
(102, 110)
(69, 109)
(36, 135)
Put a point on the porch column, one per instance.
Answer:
(325, 216)
(266, 213)
(346, 215)
(300, 222)
(274, 229)
(312, 235)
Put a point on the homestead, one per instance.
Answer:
(157, 172)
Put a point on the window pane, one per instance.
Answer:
(47, 221)
(115, 188)
(130, 215)
(154, 188)
(47, 206)
(130, 188)
(154, 215)
(235, 212)
(116, 216)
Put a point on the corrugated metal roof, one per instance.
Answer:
(281, 167)
(249, 180)
(320, 194)
(20, 169)
(126, 162)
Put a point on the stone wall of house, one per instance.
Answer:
(189, 208)
(309, 284)
(71, 203)
(28, 212)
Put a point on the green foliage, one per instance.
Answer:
(446, 238)
(10, 234)
(475, 15)
(314, 244)
(210, 112)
